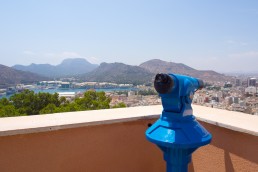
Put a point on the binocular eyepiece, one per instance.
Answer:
(164, 83)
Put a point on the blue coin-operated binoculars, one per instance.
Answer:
(176, 132)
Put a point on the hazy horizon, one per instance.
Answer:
(206, 35)
(231, 72)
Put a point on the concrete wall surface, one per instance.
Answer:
(120, 147)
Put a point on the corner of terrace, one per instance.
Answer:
(114, 140)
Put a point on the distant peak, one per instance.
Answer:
(34, 64)
(72, 59)
(153, 60)
(78, 61)
(115, 63)
(103, 63)
(157, 61)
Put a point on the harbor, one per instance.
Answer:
(66, 88)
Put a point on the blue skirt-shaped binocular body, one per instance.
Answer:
(176, 132)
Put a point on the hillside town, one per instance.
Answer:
(240, 95)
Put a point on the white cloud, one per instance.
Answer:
(244, 61)
(70, 54)
(27, 52)
(65, 54)
(243, 43)
(94, 60)
(249, 54)
(236, 43)
(230, 42)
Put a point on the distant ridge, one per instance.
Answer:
(11, 77)
(144, 73)
(159, 66)
(119, 73)
(68, 67)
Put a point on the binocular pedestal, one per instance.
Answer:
(178, 138)
(177, 159)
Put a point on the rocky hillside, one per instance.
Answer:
(10, 77)
(159, 66)
(119, 73)
(68, 67)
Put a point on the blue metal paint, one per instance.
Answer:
(176, 132)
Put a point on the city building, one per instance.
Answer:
(238, 82)
(251, 82)
(65, 85)
(251, 90)
(68, 95)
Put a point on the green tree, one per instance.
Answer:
(47, 98)
(28, 102)
(50, 108)
(63, 101)
(70, 107)
(120, 105)
(4, 102)
(147, 92)
(9, 110)
(93, 100)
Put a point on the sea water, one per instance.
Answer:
(76, 90)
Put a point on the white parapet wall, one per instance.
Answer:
(41, 123)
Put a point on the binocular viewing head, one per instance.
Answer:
(164, 83)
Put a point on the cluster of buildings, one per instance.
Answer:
(61, 86)
(242, 96)
(132, 98)
(79, 85)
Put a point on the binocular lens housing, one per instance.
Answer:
(163, 83)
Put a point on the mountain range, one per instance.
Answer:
(10, 77)
(68, 67)
(105, 72)
(145, 72)
(159, 66)
(118, 73)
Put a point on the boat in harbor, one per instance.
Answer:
(20, 87)
(11, 90)
(2, 92)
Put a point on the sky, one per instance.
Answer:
(204, 34)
